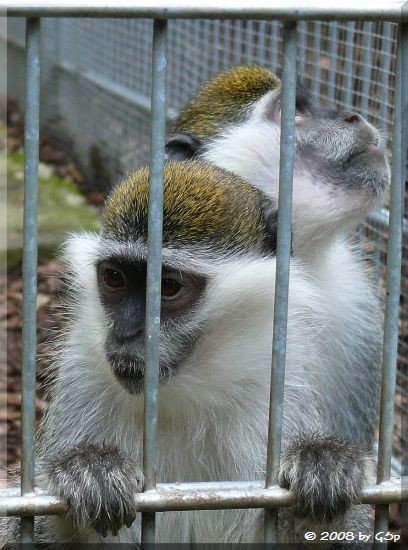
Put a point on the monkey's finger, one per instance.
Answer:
(129, 519)
(101, 527)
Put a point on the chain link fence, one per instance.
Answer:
(96, 99)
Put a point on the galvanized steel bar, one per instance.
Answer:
(197, 496)
(31, 152)
(288, 108)
(154, 265)
(302, 28)
(210, 9)
(392, 305)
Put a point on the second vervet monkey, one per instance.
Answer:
(340, 175)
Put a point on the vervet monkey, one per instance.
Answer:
(217, 284)
(340, 175)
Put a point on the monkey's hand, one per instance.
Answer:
(98, 486)
(325, 473)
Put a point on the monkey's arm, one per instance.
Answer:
(325, 473)
(97, 484)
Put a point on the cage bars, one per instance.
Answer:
(154, 266)
(30, 239)
(284, 234)
(366, 70)
(224, 494)
(393, 285)
(348, 66)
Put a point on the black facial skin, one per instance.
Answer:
(122, 290)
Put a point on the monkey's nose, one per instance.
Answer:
(352, 118)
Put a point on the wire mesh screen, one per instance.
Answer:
(96, 89)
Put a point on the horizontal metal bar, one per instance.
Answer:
(154, 266)
(211, 9)
(197, 496)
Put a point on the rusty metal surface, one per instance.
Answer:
(197, 496)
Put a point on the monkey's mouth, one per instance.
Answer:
(130, 372)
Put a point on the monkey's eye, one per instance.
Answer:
(113, 278)
(170, 288)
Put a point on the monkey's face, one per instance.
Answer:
(122, 291)
(209, 216)
(340, 168)
(325, 140)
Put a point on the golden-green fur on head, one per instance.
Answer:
(202, 205)
(223, 100)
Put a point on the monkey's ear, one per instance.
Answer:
(182, 146)
(304, 100)
(304, 105)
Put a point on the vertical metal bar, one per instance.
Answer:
(288, 101)
(31, 141)
(154, 260)
(393, 298)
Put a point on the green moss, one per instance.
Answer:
(62, 209)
